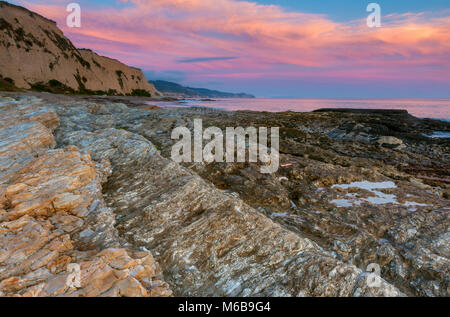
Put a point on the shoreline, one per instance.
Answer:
(352, 189)
(135, 101)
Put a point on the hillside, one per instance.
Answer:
(175, 90)
(34, 53)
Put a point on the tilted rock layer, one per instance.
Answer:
(327, 187)
(107, 194)
(209, 243)
(33, 50)
(52, 215)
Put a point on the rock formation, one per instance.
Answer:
(35, 53)
(353, 193)
(52, 215)
(92, 205)
(83, 182)
(208, 242)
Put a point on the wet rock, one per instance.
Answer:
(370, 228)
(226, 229)
(210, 243)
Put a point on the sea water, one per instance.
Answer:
(421, 108)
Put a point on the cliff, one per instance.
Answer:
(34, 53)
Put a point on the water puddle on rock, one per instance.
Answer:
(380, 197)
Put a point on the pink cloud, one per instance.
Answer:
(156, 34)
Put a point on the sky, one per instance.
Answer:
(272, 48)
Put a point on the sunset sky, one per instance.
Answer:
(272, 48)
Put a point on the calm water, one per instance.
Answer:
(422, 108)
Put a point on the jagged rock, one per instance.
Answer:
(210, 243)
(31, 109)
(19, 143)
(52, 214)
(310, 229)
(361, 233)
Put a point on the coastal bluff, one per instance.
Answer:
(34, 53)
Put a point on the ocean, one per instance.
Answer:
(421, 108)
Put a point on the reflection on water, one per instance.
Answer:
(422, 108)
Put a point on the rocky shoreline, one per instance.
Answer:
(90, 181)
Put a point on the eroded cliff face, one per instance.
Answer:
(34, 51)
